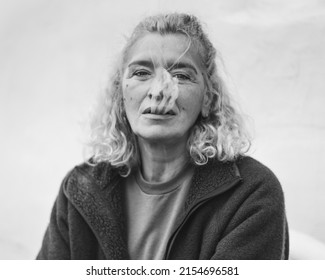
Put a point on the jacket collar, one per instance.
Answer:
(100, 205)
(95, 191)
(212, 179)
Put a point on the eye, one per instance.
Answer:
(141, 74)
(181, 77)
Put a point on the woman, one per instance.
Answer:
(168, 178)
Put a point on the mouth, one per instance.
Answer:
(158, 112)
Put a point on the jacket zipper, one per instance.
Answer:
(190, 212)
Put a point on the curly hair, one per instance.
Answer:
(220, 134)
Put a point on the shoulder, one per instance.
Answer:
(259, 179)
(88, 174)
(251, 169)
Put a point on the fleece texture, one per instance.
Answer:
(234, 210)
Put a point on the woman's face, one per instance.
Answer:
(163, 87)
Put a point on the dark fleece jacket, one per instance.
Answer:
(233, 211)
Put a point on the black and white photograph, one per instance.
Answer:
(162, 130)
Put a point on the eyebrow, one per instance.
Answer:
(181, 65)
(170, 65)
(146, 63)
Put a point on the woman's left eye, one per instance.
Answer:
(181, 77)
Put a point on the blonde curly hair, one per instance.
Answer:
(220, 134)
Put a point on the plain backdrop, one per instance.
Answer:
(55, 57)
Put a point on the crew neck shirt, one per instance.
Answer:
(152, 211)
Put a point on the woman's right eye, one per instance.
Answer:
(141, 74)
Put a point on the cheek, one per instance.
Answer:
(128, 94)
(191, 102)
(132, 98)
(125, 90)
(134, 90)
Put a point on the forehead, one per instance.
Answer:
(164, 48)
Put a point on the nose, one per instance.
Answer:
(159, 85)
(156, 95)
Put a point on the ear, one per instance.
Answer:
(206, 105)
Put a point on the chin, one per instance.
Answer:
(161, 136)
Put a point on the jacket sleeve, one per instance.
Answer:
(55, 243)
(258, 230)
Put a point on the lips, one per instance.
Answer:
(155, 111)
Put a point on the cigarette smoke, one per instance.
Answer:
(167, 86)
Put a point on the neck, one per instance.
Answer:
(162, 162)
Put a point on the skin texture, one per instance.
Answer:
(146, 84)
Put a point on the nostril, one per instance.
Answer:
(158, 96)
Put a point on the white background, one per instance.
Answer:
(55, 57)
